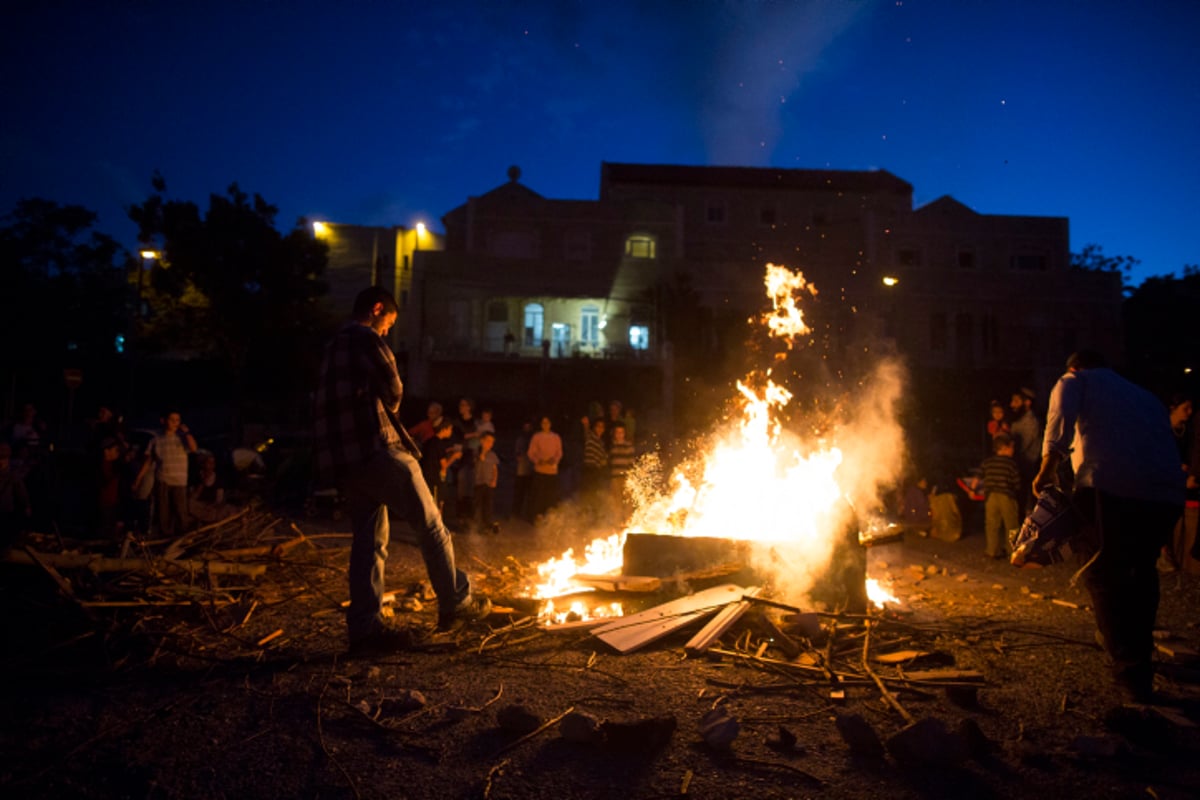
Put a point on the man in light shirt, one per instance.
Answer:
(1128, 491)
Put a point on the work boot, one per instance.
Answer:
(475, 608)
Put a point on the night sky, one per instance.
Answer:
(395, 112)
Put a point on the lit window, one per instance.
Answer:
(640, 246)
(639, 337)
(560, 336)
(534, 316)
(589, 326)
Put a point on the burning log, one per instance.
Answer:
(665, 556)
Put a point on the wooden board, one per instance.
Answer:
(629, 633)
(619, 583)
(720, 623)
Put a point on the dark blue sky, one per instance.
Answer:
(394, 112)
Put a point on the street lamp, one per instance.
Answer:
(146, 255)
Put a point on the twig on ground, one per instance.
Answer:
(887, 696)
(327, 751)
(547, 724)
(493, 773)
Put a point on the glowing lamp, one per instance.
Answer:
(889, 280)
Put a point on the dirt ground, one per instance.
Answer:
(207, 700)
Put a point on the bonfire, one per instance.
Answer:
(790, 491)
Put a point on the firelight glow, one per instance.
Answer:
(759, 482)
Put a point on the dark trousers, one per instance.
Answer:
(172, 502)
(484, 507)
(1125, 535)
(521, 497)
(545, 493)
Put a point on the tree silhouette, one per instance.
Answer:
(228, 285)
(63, 282)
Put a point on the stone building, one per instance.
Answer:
(549, 301)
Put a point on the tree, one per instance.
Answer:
(65, 295)
(228, 285)
(1162, 341)
(1092, 259)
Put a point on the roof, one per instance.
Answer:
(947, 205)
(752, 177)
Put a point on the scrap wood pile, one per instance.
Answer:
(885, 658)
(741, 625)
(217, 564)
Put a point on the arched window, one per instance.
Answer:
(535, 317)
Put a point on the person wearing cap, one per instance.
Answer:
(1128, 492)
(1026, 433)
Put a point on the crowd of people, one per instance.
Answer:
(157, 483)
(462, 467)
(1128, 464)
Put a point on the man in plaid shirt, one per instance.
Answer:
(365, 452)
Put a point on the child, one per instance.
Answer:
(620, 461)
(487, 474)
(485, 424)
(436, 457)
(207, 496)
(1002, 486)
(998, 424)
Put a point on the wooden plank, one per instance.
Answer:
(900, 656)
(101, 564)
(629, 633)
(935, 675)
(620, 583)
(721, 622)
(577, 626)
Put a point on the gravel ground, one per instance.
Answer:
(187, 703)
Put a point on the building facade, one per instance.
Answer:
(524, 286)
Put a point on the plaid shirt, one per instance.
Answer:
(170, 456)
(357, 396)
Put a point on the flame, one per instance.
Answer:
(601, 557)
(785, 320)
(759, 481)
(578, 610)
(879, 595)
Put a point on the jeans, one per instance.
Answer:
(389, 485)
